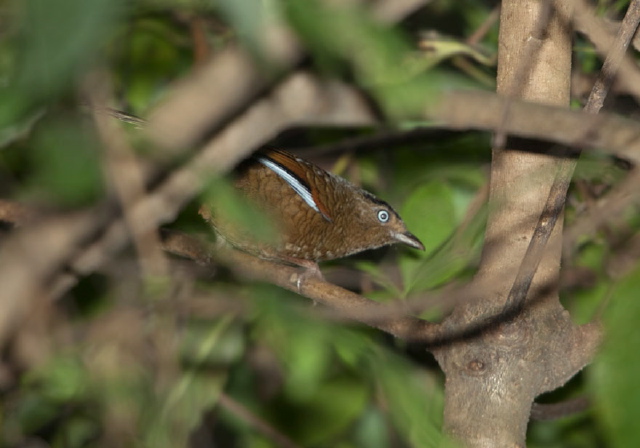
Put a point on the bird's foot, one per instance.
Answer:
(311, 270)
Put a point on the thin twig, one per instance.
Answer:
(484, 27)
(585, 18)
(608, 25)
(255, 421)
(554, 411)
(614, 59)
(607, 209)
(380, 140)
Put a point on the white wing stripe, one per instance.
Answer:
(298, 187)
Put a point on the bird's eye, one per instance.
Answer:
(383, 216)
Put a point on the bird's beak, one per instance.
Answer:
(409, 239)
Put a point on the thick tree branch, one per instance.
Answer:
(483, 110)
(558, 193)
(493, 378)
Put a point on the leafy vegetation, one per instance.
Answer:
(191, 361)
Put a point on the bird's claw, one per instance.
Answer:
(311, 270)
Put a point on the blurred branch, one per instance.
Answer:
(608, 209)
(208, 100)
(607, 25)
(585, 19)
(205, 102)
(482, 110)
(600, 24)
(126, 176)
(222, 99)
(301, 97)
(15, 213)
(32, 255)
(389, 11)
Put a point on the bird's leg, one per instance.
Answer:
(311, 269)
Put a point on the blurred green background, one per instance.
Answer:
(117, 363)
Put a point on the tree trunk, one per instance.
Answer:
(493, 376)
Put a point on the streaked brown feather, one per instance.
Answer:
(301, 169)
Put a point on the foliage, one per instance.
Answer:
(116, 363)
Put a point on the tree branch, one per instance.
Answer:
(483, 110)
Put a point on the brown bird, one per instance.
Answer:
(318, 215)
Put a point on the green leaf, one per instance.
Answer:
(67, 164)
(430, 213)
(380, 276)
(248, 18)
(309, 358)
(613, 379)
(372, 430)
(59, 38)
(227, 203)
(415, 402)
(585, 300)
(192, 394)
(154, 50)
(50, 389)
(380, 56)
(435, 48)
(66, 379)
(336, 404)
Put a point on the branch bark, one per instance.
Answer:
(483, 110)
(493, 378)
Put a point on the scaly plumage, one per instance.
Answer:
(319, 216)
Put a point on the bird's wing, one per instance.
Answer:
(295, 172)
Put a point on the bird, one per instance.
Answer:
(317, 215)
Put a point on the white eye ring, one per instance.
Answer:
(383, 216)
